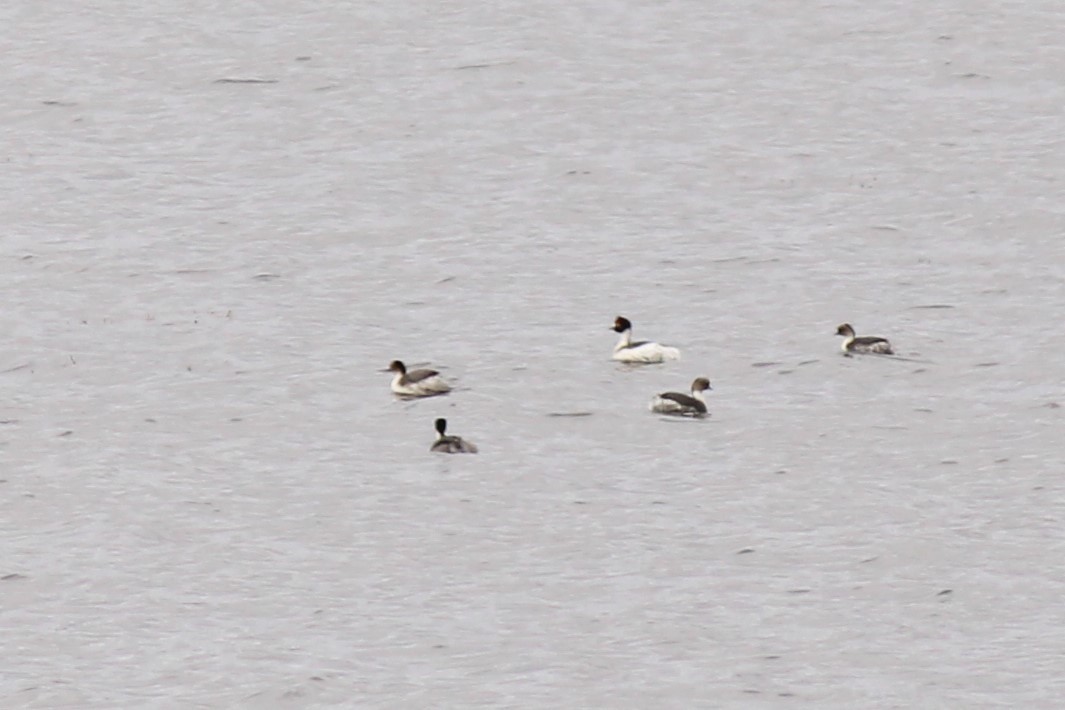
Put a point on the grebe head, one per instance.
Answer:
(397, 366)
(845, 330)
(621, 325)
(441, 426)
(701, 384)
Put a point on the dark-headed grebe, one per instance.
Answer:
(642, 351)
(681, 404)
(416, 383)
(445, 444)
(865, 344)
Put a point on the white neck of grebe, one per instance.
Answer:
(624, 340)
(847, 340)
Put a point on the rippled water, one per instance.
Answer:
(211, 499)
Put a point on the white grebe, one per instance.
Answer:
(416, 383)
(642, 351)
(445, 444)
(865, 344)
(684, 405)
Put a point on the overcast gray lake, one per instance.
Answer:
(221, 222)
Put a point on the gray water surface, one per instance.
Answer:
(222, 220)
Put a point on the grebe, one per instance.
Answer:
(684, 405)
(641, 352)
(416, 383)
(450, 444)
(865, 344)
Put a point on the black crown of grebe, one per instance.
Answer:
(642, 351)
(445, 444)
(864, 344)
(416, 383)
(680, 404)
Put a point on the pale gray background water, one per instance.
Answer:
(210, 498)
